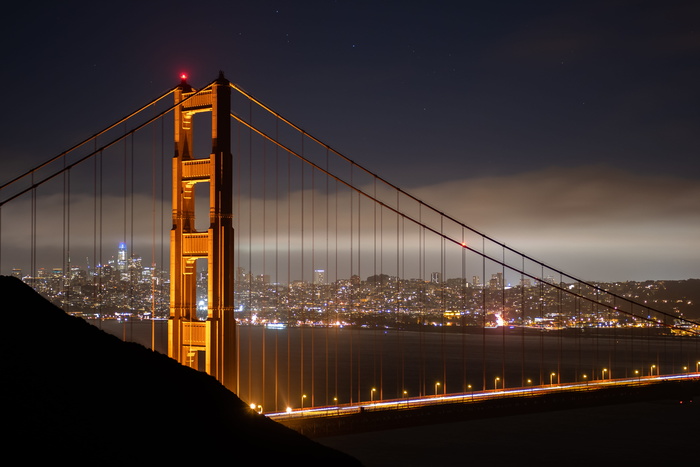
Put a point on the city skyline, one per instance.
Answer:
(125, 288)
(123, 258)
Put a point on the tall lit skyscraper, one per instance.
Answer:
(121, 257)
(319, 276)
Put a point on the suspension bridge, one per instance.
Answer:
(244, 246)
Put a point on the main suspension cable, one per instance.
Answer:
(437, 211)
(85, 141)
(35, 184)
(470, 248)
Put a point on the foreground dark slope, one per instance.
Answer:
(75, 392)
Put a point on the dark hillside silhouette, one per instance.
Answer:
(73, 392)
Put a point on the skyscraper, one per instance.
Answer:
(121, 258)
(319, 276)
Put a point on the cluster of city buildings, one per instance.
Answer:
(124, 288)
(121, 287)
(387, 301)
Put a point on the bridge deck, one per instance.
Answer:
(329, 421)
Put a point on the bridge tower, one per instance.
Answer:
(204, 345)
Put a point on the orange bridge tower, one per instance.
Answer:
(208, 345)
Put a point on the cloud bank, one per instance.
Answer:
(592, 222)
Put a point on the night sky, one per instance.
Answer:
(568, 130)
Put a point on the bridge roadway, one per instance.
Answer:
(304, 419)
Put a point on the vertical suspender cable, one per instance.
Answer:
(33, 232)
(577, 313)
(349, 307)
(100, 284)
(441, 285)
(522, 324)
(541, 332)
(263, 284)
(65, 279)
(374, 293)
(93, 277)
(359, 290)
(303, 303)
(130, 257)
(250, 254)
(68, 242)
(504, 318)
(153, 238)
(337, 294)
(561, 327)
(483, 313)
(277, 252)
(400, 280)
(381, 301)
(162, 256)
(326, 298)
(314, 301)
(124, 215)
(421, 276)
(237, 240)
(463, 313)
(289, 277)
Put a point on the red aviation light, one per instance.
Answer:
(183, 76)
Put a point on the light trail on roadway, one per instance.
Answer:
(472, 396)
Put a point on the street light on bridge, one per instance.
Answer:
(495, 383)
(371, 394)
(256, 407)
(436, 387)
(551, 377)
(651, 370)
(302, 400)
(602, 373)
